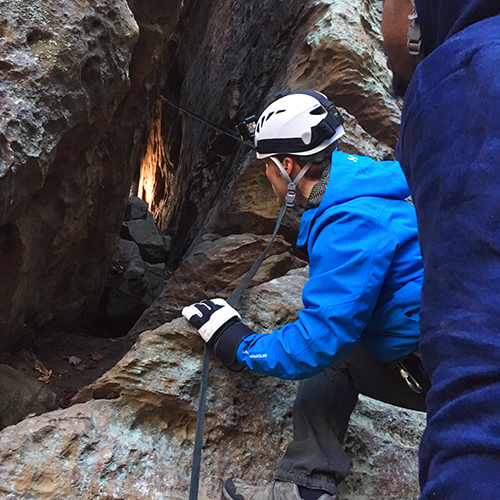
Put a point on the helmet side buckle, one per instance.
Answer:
(290, 195)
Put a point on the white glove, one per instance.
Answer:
(208, 316)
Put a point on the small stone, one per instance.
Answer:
(73, 360)
(136, 209)
(147, 237)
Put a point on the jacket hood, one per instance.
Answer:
(441, 19)
(354, 176)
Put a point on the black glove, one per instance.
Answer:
(220, 327)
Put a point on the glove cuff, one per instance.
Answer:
(226, 340)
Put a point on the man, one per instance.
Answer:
(358, 330)
(449, 149)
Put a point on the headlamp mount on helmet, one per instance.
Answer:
(246, 128)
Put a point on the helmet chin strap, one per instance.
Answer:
(292, 185)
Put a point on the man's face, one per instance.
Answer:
(278, 182)
(395, 24)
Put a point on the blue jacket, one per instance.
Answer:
(449, 149)
(365, 275)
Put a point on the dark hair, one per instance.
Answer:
(320, 161)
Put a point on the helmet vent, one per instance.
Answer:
(320, 110)
(260, 123)
(280, 111)
(269, 115)
(306, 136)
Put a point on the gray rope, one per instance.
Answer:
(200, 418)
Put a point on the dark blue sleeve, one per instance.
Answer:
(450, 150)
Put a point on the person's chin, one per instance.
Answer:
(398, 86)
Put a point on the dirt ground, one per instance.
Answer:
(66, 361)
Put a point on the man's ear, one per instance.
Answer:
(288, 164)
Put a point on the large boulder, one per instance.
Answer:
(215, 267)
(341, 54)
(191, 170)
(64, 65)
(130, 434)
(145, 234)
(79, 84)
(65, 69)
(137, 273)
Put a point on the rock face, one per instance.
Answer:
(79, 84)
(64, 65)
(130, 434)
(341, 54)
(82, 88)
(215, 267)
(81, 113)
(262, 49)
(65, 69)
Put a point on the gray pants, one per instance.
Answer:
(321, 412)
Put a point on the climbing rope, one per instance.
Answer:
(200, 418)
(208, 122)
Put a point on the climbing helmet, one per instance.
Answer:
(300, 123)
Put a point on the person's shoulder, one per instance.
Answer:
(342, 157)
(346, 158)
(366, 212)
(471, 53)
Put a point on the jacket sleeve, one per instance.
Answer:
(350, 253)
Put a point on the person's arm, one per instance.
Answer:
(350, 254)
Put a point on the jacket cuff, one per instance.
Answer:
(225, 342)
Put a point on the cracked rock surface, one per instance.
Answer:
(130, 434)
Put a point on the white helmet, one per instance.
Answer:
(300, 123)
